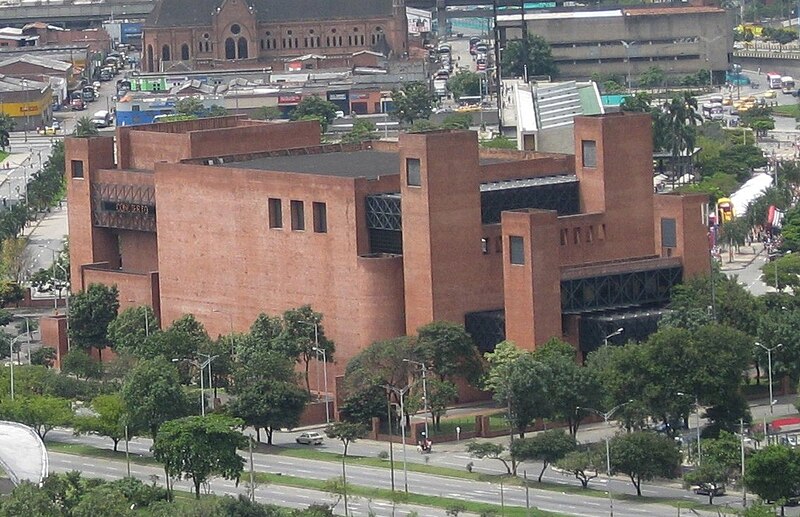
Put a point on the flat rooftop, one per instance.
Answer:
(347, 164)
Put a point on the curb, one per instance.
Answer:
(744, 265)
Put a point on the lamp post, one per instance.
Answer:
(615, 333)
(319, 350)
(401, 393)
(146, 319)
(697, 408)
(27, 113)
(11, 357)
(202, 367)
(209, 359)
(769, 362)
(628, 45)
(424, 392)
(606, 416)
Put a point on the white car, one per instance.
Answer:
(309, 438)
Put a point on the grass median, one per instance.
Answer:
(385, 494)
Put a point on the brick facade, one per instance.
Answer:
(217, 250)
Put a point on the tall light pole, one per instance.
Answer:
(146, 319)
(628, 45)
(769, 362)
(697, 408)
(11, 357)
(319, 350)
(401, 393)
(202, 367)
(606, 416)
(424, 393)
(615, 333)
(209, 359)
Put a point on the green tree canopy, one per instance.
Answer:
(90, 313)
(536, 55)
(448, 350)
(153, 394)
(42, 413)
(412, 102)
(547, 447)
(464, 83)
(84, 128)
(198, 448)
(643, 456)
(774, 473)
(316, 107)
(109, 418)
(130, 331)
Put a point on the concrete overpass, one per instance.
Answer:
(23, 455)
(74, 15)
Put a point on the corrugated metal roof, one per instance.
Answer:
(529, 182)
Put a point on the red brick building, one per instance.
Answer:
(225, 218)
(256, 33)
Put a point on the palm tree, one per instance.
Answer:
(84, 128)
(681, 119)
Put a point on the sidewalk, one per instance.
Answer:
(742, 259)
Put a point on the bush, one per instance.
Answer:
(383, 455)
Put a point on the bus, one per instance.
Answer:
(773, 80)
(787, 84)
(713, 110)
(725, 210)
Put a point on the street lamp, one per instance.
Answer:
(11, 357)
(401, 393)
(319, 350)
(202, 367)
(697, 407)
(769, 362)
(615, 333)
(606, 416)
(628, 45)
(424, 393)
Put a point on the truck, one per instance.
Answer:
(440, 87)
(774, 80)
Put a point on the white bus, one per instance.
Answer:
(787, 84)
(773, 80)
(713, 111)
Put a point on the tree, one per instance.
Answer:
(90, 313)
(643, 456)
(44, 356)
(347, 433)
(680, 120)
(491, 450)
(464, 83)
(189, 106)
(787, 271)
(269, 404)
(362, 131)
(536, 55)
(7, 125)
(40, 412)
(28, 499)
(457, 121)
(573, 386)
(103, 501)
(774, 474)
(412, 102)
(547, 447)
(267, 113)
(81, 364)
(197, 448)
(653, 76)
(303, 337)
(153, 394)
(317, 108)
(584, 464)
(440, 395)
(84, 128)
(448, 350)
(130, 331)
(109, 418)
(710, 476)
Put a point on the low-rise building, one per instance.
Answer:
(27, 102)
(383, 237)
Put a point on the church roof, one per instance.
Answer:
(187, 13)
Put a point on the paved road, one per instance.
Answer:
(22, 453)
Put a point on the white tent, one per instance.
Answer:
(749, 192)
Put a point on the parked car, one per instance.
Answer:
(706, 490)
(309, 438)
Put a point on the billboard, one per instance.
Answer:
(419, 20)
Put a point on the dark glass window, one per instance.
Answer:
(412, 172)
(320, 212)
(669, 237)
(275, 213)
(298, 215)
(589, 153)
(77, 169)
(516, 250)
